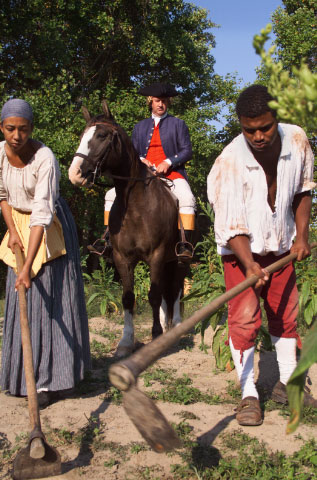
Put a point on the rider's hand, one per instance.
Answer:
(163, 167)
(146, 162)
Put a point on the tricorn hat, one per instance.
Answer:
(158, 90)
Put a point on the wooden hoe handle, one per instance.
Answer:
(35, 421)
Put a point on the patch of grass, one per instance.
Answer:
(114, 395)
(309, 415)
(180, 390)
(87, 437)
(99, 349)
(187, 415)
(244, 458)
(111, 463)
(136, 447)
(160, 375)
(196, 458)
(104, 332)
(117, 450)
(148, 473)
(233, 390)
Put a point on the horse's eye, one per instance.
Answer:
(101, 135)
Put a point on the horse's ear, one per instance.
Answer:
(86, 113)
(106, 110)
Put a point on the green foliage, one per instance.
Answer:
(142, 284)
(295, 94)
(306, 272)
(295, 385)
(242, 457)
(176, 389)
(296, 33)
(208, 283)
(221, 349)
(97, 43)
(60, 55)
(102, 289)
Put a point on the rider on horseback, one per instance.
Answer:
(163, 144)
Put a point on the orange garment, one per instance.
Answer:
(156, 154)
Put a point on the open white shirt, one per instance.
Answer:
(237, 190)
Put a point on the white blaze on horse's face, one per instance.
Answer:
(74, 172)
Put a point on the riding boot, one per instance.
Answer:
(185, 249)
(102, 246)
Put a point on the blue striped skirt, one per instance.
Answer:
(57, 318)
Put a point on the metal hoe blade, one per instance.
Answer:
(150, 422)
(25, 467)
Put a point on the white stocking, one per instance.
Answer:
(286, 356)
(245, 370)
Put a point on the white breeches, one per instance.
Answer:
(181, 190)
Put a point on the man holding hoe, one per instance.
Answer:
(259, 188)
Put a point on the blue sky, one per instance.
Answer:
(239, 21)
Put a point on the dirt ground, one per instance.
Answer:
(97, 440)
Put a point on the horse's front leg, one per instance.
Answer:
(155, 295)
(126, 344)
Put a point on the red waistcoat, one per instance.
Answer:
(156, 154)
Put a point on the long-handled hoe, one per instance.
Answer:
(38, 459)
(142, 411)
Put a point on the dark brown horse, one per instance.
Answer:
(143, 221)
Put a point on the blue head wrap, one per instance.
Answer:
(17, 108)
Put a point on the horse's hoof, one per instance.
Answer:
(123, 352)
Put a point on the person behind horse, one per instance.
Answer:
(163, 144)
(40, 222)
(259, 188)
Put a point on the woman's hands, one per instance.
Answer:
(24, 277)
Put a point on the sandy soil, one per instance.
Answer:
(97, 440)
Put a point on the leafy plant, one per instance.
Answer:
(207, 284)
(141, 284)
(106, 292)
(306, 272)
(295, 93)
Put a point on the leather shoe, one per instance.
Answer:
(279, 395)
(249, 412)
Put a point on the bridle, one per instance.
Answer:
(97, 171)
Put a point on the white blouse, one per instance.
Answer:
(237, 190)
(33, 188)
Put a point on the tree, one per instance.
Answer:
(296, 33)
(102, 42)
(62, 54)
(295, 92)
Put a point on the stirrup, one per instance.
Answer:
(184, 250)
(97, 247)
(100, 246)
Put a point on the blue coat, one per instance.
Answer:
(174, 137)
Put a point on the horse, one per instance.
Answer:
(143, 221)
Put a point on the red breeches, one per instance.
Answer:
(280, 297)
